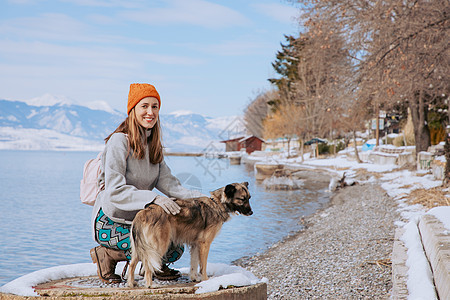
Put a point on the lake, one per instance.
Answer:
(44, 224)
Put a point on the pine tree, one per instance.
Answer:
(286, 65)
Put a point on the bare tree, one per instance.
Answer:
(257, 111)
(286, 122)
(323, 71)
(402, 48)
(354, 115)
(314, 71)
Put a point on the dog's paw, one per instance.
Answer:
(194, 277)
(132, 284)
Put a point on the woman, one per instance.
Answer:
(132, 165)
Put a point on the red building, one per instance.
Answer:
(250, 143)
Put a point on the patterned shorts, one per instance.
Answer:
(117, 236)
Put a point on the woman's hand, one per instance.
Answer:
(167, 204)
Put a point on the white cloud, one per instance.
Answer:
(62, 28)
(239, 46)
(48, 54)
(105, 3)
(102, 19)
(99, 61)
(172, 59)
(279, 12)
(193, 12)
(49, 26)
(23, 2)
(87, 49)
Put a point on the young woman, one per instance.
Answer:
(132, 166)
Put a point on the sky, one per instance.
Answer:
(206, 56)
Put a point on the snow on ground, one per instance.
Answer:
(44, 139)
(282, 183)
(398, 184)
(23, 286)
(221, 275)
(442, 213)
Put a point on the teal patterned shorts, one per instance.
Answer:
(117, 236)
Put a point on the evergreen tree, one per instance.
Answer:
(286, 65)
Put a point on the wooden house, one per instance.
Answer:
(249, 143)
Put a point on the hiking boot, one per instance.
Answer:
(167, 273)
(106, 260)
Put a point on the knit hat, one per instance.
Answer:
(139, 91)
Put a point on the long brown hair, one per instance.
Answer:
(136, 135)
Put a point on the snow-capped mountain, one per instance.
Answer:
(54, 123)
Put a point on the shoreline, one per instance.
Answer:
(193, 154)
(319, 189)
(343, 251)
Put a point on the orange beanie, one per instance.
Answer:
(139, 91)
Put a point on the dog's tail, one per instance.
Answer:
(143, 248)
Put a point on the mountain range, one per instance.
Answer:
(56, 123)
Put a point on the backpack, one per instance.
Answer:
(89, 187)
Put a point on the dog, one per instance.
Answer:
(197, 224)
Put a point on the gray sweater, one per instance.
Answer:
(129, 182)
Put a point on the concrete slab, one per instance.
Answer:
(436, 243)
(263, 171)
(399, 268)
(72, 288)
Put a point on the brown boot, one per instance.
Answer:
(106, 260)
(167, 273)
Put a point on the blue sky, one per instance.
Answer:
(208, 57)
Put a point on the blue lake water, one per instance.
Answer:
(44, 223)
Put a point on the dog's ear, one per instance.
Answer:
(230, 190)
(245, 183)
(217, 193)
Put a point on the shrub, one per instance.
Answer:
(324, 148)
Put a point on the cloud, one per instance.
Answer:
(105, 3)
(278, 12)
(53, 26)
(236, 47)
(102, 19)
(104, 59)
(61, 28)
(23, 2)
(193, 12)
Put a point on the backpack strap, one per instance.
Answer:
(128, 145)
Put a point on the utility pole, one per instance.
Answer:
(377, 130)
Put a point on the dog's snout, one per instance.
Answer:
(247, 212)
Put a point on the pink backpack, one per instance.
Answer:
(89, 187)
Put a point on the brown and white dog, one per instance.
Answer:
(197, 224)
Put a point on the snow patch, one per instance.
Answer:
(49, 100)
(222, 275)
(420, 278)
(100, 105)
(282, 183)
(442, 213)
(23, 286)
(179, 113)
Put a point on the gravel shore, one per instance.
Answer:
(343, 253)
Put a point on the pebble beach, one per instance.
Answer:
(343, 252)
